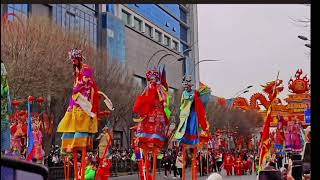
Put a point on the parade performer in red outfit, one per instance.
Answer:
(152, 108)
(103, 172)
(238, 166)
(228, 162)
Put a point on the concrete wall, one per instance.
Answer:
(40, 10)
(140, 48)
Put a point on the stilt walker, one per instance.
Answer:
(193, 120)
(152, 108)
(80, 122)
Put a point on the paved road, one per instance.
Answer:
(188, 176)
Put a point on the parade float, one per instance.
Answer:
(297, 103)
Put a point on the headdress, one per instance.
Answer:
(75, 54)
(186, 81)
(152, 72)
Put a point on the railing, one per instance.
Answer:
(119, 168)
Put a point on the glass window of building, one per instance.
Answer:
(166, 41)
(183, 15)
(77, 17)
(126, 17)
(175, 45)
(157, 36)
(20, 10)
(148, 30)
(183, 33)
(137, 24)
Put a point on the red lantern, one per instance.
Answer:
(15, 103)
(31, 99)
(40, 100)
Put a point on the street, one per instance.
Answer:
(188, 177)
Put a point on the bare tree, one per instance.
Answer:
(221, 117)
(35, 53)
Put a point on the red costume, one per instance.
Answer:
(238, 166)
(228, 162)
(249, 165)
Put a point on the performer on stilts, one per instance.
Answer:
(193, 120)
(152, 108)
(80, 122)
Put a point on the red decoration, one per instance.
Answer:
(299, 85)
(40, 100)
(22, 113)
(31, 99)
(15, 103)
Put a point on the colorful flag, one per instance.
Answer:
(30, 144)
(265, 140)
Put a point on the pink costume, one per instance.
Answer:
(287, 135)
(39, 152)
(296, 138)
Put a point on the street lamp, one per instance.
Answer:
(305, 39)
(245, 90)
(149, 60)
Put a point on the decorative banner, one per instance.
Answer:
(307, 114)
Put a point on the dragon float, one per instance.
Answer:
(297, 102)
(265, 101)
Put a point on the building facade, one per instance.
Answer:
(131, 34)
(149, 28)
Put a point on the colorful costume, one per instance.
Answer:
(193, 127)
(37, 134)
(279, 136)
(5, 103)
(288, 139)
(80, 122)
(193, 115)
(296, 137)
(152, 107)
(153, 111)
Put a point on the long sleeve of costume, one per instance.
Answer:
(201, 112)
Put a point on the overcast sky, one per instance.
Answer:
(254, 42)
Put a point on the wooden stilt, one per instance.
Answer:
(147, 163)
(183, 162)
(68, 168)
(65, 167)
(194, 164)
(83, 162)
(75, 165)
(154, 165)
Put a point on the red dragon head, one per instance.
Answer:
(273, 88)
